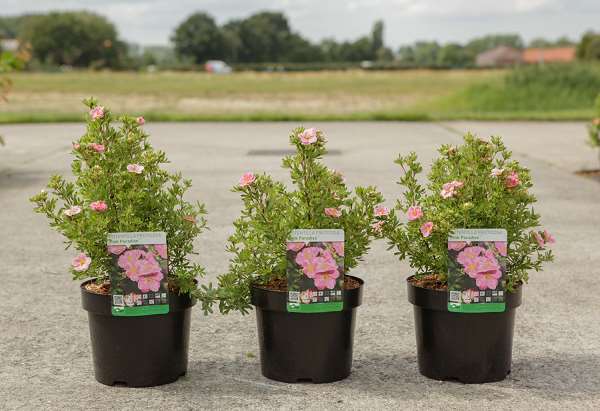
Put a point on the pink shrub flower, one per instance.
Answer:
(497, 172)
(247, 179)
(468, 254)
(73, 210)
(414, 213)
(135, 168)
(130, 258)
(76, 146)
(161, 250)
(456, 245)
(549, 238)
(381, 211)
(501, 247)
(333, 212)
(150, 282)
(538, 239)
(377, 227)
(81, 262)
(295, 246)
(99, 206)
(306, 255)
(97, 112)
(449, 189)
(116, 249)
(326, 279)
(488, 280)
(426, 229)
(99, 148)
(140, 120)
(512, 180)
(308, 136)
(338, 247)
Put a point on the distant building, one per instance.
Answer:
(549, 55)
(9, 45)
(500, 56)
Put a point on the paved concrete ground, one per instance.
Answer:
(44, 343)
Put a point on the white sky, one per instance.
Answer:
(152, 21)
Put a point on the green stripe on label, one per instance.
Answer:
(140, 311)
(477, 308)
(315, 308)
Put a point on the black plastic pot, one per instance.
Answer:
(302, 347)
(138, 351)
(465, 347)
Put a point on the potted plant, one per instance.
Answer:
(120, 187)
(473, 186)
(300, 346)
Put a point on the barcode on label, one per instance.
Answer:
(455, 296)
(294, 296)
(118, 300)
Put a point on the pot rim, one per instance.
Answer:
(437, 300)
(100, 303)
(276, 300)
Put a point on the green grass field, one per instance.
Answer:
(343, 95)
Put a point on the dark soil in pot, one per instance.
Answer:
(138, 351)
(465, 347)
(302, 347)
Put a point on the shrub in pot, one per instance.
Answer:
(119, 186)
(315, 347)
(474, 186)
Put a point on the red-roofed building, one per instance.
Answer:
(548, 55)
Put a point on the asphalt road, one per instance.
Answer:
(45, 360)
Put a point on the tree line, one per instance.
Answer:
(85, 39)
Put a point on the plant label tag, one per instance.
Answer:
(315, 271)
(477, 270)
(138, 274)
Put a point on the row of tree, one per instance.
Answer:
(84, 39)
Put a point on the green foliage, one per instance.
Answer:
(271, 212)
(199, 37)
(484, 201)
(80, 39)
(534, 88)
(150, 201)
(594, 129)
(589, 46)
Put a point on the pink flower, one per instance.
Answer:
(99, 206)
(73, 210)
(141, 267)
(426, 229)
(247, 179)
(116, 249)
(449, 189)
(512, 180)
(99, 148)
(306, 296)
(456, 245)
(333, 212)
(81, 262)
(140, 120)
(308, 136)
(295, 246)
(326, 279)
(161, 250)
(97, 112)
(501, 247)
(307, 255)
(538, 238)
(469, 254)
(488, 280)
(338, 247)
(130, 258)
(381, 211)
(497, 172)
(150, 282)
(549, 238)
(414, 213)
(135, 168)
(377, 227)
(76, 146)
